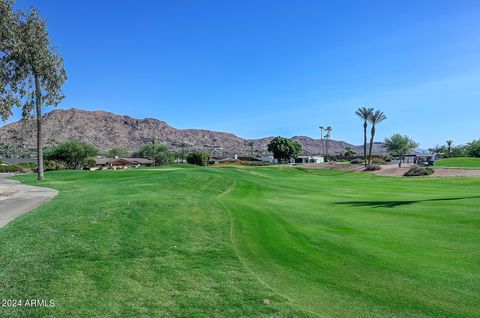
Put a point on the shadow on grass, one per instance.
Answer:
(392, 204)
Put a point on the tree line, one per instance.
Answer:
(76, 154)
(449, 150)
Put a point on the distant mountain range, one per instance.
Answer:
(106, 130)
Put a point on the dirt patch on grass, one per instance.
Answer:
(395, 171)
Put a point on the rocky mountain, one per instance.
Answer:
(106, 130)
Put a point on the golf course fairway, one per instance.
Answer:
(459, 162)
(217, 242)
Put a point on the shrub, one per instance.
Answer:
(416, 171)
(17, 168)
(356, 161)
(254, 163)
(89, 163)
(373, 168)
(378, 160)
(50, 165)
(199, 158)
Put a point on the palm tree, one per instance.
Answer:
(376, 118)
(449, 147)
(364, 113)
(328, 130)
(321, 138)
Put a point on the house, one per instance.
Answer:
(309, 159)
(14, 161)
(121, 163)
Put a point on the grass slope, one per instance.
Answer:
(460, 162)
(215, 242)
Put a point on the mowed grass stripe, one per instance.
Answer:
(131, 244)
(374, 254)
(332, 243)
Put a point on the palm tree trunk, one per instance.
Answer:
(327, 144)
(38, 107)
(321, 142)
(371, 146)
(365, 142)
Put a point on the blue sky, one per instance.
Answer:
(259, 68)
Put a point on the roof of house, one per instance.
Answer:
(11, 161)
(105, 161)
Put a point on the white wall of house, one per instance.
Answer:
(269, 159)
(317, 159)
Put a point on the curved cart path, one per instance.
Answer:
(24, 199)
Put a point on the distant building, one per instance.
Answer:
(309, 159)
(268, 159)
(120, 163)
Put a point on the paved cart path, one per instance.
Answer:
(23, 199)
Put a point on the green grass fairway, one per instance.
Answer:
(460, 162)
(215, 242)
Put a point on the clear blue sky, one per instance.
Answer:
(259, 68)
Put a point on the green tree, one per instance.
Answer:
(8, 81)
(33, 70)
(398, 146)
(284, 148)
(449, 147)
(199, 158)
(376, 118)
(472, 149)
(72, 153)
(439, 150)
(364, 113)
(159, 154)
(349, 152)
(117, 152)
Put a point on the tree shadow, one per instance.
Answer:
(392, 204)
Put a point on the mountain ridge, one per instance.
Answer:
(106, 130)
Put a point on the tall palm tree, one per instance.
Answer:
(364, 113)
(376, 118)
(321, 139)
(449, 147)
(328, 130)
